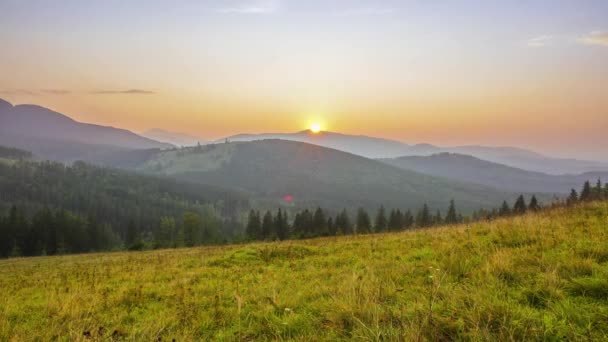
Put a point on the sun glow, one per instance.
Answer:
(315, 128)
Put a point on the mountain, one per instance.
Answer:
(469, 169)
(365, 146)
(315, 176)
(178, 139)
(371, 147)
(53, 135)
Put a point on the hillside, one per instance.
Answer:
(53, 135)
(537, 277)
(372, 147)
(314, 175)
(469, 169)
(174, 138)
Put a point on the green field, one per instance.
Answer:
(536, 277)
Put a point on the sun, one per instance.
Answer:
(315, 128)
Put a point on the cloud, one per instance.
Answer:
(253, 7)
(595, 38)
(56, 91)
(365, 11)
(19, 92)
(540, 41)
(126, 92)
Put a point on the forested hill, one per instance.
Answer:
(110, 196)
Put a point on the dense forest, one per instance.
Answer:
(59, 231)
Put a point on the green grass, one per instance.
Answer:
(537, 277)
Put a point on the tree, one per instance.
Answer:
(380, 224)
(573, 198)
(451, 217)
(319, 223)
(423, 218)
(343, 224)
(606, 191)
(408, 219)
(364, 225)
(533, 206)
(586, 194)
(268, 232)
(254, 226)
(192, 228)
(166, 233)
(331, 227)
(520, 207)
(597, 191)
(504, 210)
(281, 226)
(395, 220)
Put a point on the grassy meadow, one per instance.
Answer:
(536, 277)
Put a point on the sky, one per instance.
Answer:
(521, 73)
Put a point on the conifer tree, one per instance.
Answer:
(597, 191)
(520, 205)
(192, 228)
(331, 227)
(451, 217)
(606, 191)
(573, 198)
(363, 222)
(380, 223)
(423, 218)
(586, 194)
(533, 206)
(268, 227)
(131, 235)
(505, 210)
(254, 226)
(408, 219)
(281, 226)
(343, 224)
(319, 223)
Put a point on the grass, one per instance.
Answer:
(536, 277)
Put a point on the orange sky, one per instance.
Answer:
(438, 73)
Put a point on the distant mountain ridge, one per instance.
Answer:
(314, 175)
(174, 138)
(377, 148)
(57, 136)
(466, 168)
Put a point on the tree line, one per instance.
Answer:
(60, 231)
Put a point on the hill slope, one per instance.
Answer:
(55, 136)
(314, 175)
(537, 277)
(371, 147)
(473, 170)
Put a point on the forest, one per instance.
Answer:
(50, 208)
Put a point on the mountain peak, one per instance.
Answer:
(5, 105)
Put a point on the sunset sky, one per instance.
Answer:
(522, 73)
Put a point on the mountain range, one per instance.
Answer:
(53, 135)
(383, 148)
(466, 168)
(174, 138)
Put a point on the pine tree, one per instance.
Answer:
(165, 235)
(268, 227)
(437, 219)
(520, 207)
(319, 223)
(451, 217)
(281, 226)
(423, 218)
(505, 210)
(573, 198)
(380, 223)
(606, 191)
(408, 219)
(254, 226)
(395, 220)
(533, 206)
(343, 224)
(363, 222)
(586, 194)
(597, 191)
